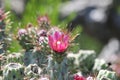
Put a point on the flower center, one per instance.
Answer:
(58, 42)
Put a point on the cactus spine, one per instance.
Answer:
(2, 32)
(15, 58)
(33, 71)
(58, 67)
(99, 64)
(83, 60)
(38, 57)
(86, 61)
(106, 75)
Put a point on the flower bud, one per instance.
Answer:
(22, 32)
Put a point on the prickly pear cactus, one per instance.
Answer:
(99, 64)
(33, 70)
(13, 71)
(15, 58)
(107, 75)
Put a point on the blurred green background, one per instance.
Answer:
(51, 8)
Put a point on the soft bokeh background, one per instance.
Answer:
(26, 11)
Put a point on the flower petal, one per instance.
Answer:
(58, 41)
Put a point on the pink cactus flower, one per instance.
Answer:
(78, 77)
(42, 19)
(58, 41)
(22, 32)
